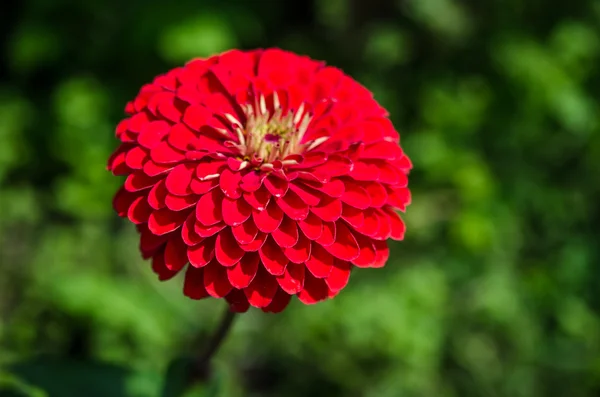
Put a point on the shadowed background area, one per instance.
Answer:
(494, 292)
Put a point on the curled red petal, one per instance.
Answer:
(382, 253)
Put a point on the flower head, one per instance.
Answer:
(263, 174)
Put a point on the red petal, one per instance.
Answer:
(245, 233)
(377, 193)
(193, 285)
(385, 226)
(352, 215)
(153, 169)
(315, 290)
(371, 224)
(238, 303)
(188, 232)
(258, 199)
(235, 211)
(320, 262)
(262, 289)
(230, 183)
(164, 220)
(135, 158)
(139, 211)
(152, 133)
(178, 203)
(175, 253)
(279, 302)
(158, 267)
(398, 227)
(256, 244)
(269, 219)
(356, 196)
(182, 138)
(382, 150)
(208, 169)
(207, 231)
(328, 236)
(312, 226)
(329, 209)
(216, 281)
(293, 206)
(345, 246)
(307, 194)
(287, 233)
(139, 181)
(196, 117)
(292, 280)
(201, 187)
(277, 186)
(227, 250)
(334, 188)
(300, 252)
(123, 200)
(252, 181)
(367, 252)
(202, 253)
(149, 242)
(242, 273)
(364, 172)
(208, 209)
(340, 274)
(163, 153)
(157, 195)
(382, 253)
(273, 259)
(179, 179)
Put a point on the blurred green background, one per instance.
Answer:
(495, 291)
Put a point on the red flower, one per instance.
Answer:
(267, 173)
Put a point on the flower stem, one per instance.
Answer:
(201, 367)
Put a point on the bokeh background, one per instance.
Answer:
(494, 292)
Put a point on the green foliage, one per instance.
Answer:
(493, 293)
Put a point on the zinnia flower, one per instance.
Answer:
(263, 174)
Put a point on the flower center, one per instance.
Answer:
(272, 132)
